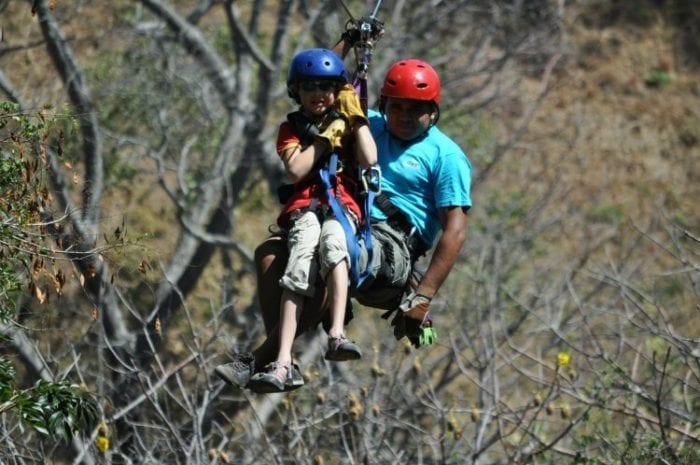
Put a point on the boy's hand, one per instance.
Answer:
(348, 105)
(333, 133)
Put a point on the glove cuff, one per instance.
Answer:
(418, 299)
(357, 120)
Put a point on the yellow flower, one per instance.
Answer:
(563, 359)
(102, 443)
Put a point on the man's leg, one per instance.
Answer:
(270, 263)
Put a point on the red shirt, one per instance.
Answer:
(312, 187)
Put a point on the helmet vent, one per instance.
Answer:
(422, 85)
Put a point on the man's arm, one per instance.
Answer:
(413, 320)
(342, 48)
(454, 233)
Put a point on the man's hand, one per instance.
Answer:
(352, 36)
(414, 321)
(348, 104)
(415, 307)
(333, 133)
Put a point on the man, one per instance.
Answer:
(426, 182)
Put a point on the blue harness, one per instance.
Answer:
(370, 179)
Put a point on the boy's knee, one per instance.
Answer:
(334, 253)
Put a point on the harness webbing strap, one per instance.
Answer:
(328, 176)
(362, 92)
(366, 232)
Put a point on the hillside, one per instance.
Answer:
(568, 329)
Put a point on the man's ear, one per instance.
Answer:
(434, 115)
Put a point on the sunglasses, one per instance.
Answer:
(310, 86)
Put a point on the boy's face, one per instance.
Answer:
(317, 96)
(407, 119)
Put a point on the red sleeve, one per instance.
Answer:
(286, 138)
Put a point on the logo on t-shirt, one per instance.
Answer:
(411, 163)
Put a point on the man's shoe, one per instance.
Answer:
(341, 349)
(239, 371)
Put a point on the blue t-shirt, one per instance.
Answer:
(421, 177)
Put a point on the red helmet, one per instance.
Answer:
(413, 79)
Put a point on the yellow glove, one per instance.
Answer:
(334, 133)
(348, 105)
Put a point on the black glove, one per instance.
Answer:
(352, 34)
(413, 321)
(304, 126)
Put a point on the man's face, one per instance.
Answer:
(407, 119)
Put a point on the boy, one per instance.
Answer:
(329, 119)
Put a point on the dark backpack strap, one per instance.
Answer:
(399, 221)
(306, 128)
(303, 126)
(387, 207)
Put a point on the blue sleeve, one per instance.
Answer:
(376, 122)
(453, 176)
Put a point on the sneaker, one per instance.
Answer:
(341, 349)
(276, 377)
(239, 371)
(296, 380)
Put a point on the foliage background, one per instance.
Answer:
(568, 330)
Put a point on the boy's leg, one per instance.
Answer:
(297, 280)
(333, 251)
(291, 305)
(271, 261)
(334, 258)
(278, 376)
(337, 283)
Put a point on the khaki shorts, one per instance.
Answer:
(312, 244)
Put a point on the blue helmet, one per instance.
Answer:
(315, 63)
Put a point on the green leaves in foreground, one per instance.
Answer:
(56, 408)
